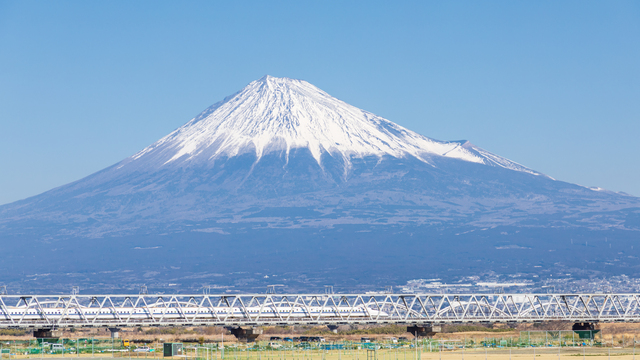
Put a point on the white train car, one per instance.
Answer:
(187, 311)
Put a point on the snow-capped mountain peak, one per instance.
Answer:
(281, 114)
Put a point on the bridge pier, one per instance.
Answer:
(333, 328)
(47, 334)
(245, 333)
(585, 330)
(424, 330)
(115, 333)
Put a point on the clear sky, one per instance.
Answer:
(553, 85)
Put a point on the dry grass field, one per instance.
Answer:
(395, 354)
(616, 341)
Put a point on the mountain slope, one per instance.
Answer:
(285, 143)
(282, 163)
(279, 114)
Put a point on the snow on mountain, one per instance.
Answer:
(280, 114)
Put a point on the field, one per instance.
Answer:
(617, 341)
(381, 354)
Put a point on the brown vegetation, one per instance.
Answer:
(617, 333)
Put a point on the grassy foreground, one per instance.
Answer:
(406, 353)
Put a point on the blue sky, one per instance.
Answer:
(553, 85)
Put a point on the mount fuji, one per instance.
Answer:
(282, 178)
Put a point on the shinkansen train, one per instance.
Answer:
(187, 312)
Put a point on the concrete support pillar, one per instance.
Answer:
(245, 333)
(424, 330)
(333, 328)
(115, 333)
(585, 331)
(47, 334)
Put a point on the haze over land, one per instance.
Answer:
(283, 183)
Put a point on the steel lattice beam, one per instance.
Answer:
(60, 311)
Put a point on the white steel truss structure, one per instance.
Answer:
(63, 311)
